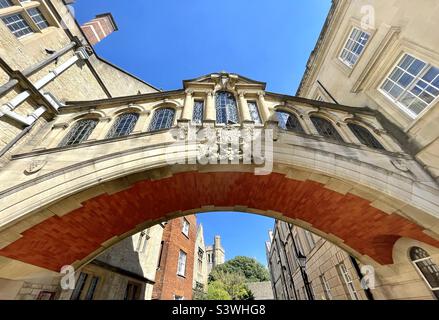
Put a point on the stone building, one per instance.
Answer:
(175, 272)
(330, 271)
(378, 55)
(43, 63)
(126, 271)
(200, 262)
(216, 254)
(83, 143)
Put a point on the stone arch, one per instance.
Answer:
(92, 114)
(369, 207)
(293, 111)
(128, 109)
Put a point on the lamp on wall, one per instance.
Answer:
(302, 260)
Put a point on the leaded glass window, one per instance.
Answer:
(413, 85)
(124, 125)
(198, 114)
(254, 112)
(365, 136)
(163, 119)
(326, 129)
(80, 132)
(38, 18)
(289, 121)
(17, 25)
(426, 266)
(354, 47)
(226, 110)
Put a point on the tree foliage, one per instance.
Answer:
(216, 291)
(250, 268)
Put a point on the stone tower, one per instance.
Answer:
(215, 254)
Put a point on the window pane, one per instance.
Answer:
(17, 25)
(5, 3)
(365, 136)
(38, 18)
(326, 129)
(427, 267)
(163, 119)
(288, 121)
(124, 125)
(198, 114)
(417, 84)
(226, 110)
(92, 288)
(80, 132)
(254, 112)
(79, 286)
(354, 47)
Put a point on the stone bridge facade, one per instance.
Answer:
(103, 170)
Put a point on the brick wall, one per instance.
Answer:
(168, 283)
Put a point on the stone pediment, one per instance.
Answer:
(224, 81)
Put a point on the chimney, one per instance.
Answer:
(99, 28)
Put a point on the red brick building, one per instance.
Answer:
(175, 269)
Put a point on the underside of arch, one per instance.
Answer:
(67, 239)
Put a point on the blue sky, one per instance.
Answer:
(167, 41)
(242, 234)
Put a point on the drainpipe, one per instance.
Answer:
(20, 98)
(367, 291)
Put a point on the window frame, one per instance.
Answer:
(23, 19)
(434, 290)
(114, 133)
(152, 127)
(395, 102)
(338, 138)
(301, 129)
(198, 102)
(22, 10)
(343, 48)
(228, 117)
(381, 146)
(181, 265)
(348, 282)
(68, 136)
(326, 287)
(185, 227)
(256, 111)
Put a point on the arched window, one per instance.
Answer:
(163, 119)
(428, 269)
(365, 136)
(124, 125)
(289, 121)
(226, 110)
(80, 132)
(326, 129)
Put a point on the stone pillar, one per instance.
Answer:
(101, 129)
(188, 108)
(142, 122)
(265, 113)
(210, 107)
(347, 134)
(55, 136)
(310, 127)
(245, 112)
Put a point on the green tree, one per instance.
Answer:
(233, 284)
(250, 268)
(216, 291)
